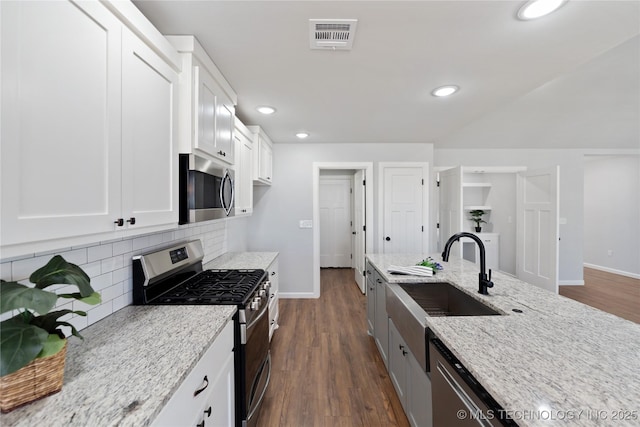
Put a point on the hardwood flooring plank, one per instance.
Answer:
(613, 293)
(326, 370)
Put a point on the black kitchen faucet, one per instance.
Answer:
(484, 281)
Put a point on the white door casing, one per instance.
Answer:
(367, 167)
(335, 221)
(359, 236)
(538, 227)
(450, 208)
(404, 195)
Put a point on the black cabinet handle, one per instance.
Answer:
(131, 220)
(273, 273)
(200, 424)
(200, 390)
(119, 222)
(208, 412)
(388, 239)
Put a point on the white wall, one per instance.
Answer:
(612, 213)
(279, 208)
(571, 192)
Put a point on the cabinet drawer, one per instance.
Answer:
(184, 407)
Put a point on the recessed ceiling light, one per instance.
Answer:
(536, 8)
(445, 90)
(302, 135)
(265, 109)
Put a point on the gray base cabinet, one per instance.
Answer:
(377, 319)
(410, 381)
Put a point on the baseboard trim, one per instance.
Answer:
(612, 270)
(298, 295)
(571, 283)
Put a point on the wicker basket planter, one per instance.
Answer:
(40, 378)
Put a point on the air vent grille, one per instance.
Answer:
(332, 33)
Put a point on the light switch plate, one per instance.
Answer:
(306, 223)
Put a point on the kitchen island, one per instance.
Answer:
(557, 362)
(128, 366)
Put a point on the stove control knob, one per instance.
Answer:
(266, 285)
(254, 305)
(262, 293)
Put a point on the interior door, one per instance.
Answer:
(335, 221)
(358, 228)
(537, 227)
(450, 207)
(403, 210)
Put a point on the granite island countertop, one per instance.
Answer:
(128, 366)
(559, 362)
(242, 260)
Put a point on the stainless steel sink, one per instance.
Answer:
(443, 299)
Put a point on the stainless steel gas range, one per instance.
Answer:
(174, 276)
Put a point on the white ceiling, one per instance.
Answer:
(569, 80)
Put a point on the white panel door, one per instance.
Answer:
(358, 228)
(149, 132)
(403, 210)
(450, 208)
(335, 221)
(61, 108)
(538, 234)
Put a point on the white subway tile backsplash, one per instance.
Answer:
(112, 292)
(102, 281)
(122, 247)
(108, 264)
(100, 252)
(100, 312)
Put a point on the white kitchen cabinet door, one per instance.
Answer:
(220, 408)
(149, 133)
(262, 157)
(61, 120)
(371, 299)
(381, 326)
(397, 364)
(274, 297)
(244, 170)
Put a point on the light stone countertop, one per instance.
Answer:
(559, 362)
(242, 260)
(128, 366)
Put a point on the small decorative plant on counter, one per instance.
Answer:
(32, 343)
(476, 216)
(430, 262)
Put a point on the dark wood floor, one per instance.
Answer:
(326, 368)
(613, 293)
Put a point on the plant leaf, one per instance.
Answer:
(15, 295)
(49, 322)
(53, 345)
(92, 299)
(58, 271)
(19, 344)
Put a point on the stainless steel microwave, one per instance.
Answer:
(206, 189)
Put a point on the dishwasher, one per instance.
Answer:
(460, 400)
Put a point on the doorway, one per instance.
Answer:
(362, 243)
(337, 230)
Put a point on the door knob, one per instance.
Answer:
(388, 239)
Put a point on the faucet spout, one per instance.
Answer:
(484, 281)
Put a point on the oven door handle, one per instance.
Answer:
(259, 316)
(267, 365)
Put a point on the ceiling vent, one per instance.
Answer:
(332, 33)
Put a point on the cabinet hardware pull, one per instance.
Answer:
(200, 390)
(388, 239)
(400, 347)
(119, 222)
(208, 412)
(273, 273)
(200, 424)
(131, 220)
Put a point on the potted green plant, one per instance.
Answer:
(476, 216)
(32, 339)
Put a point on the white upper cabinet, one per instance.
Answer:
(207, 104)
(149, 137)
(262, 156)
(244, 169)
(88, 115)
